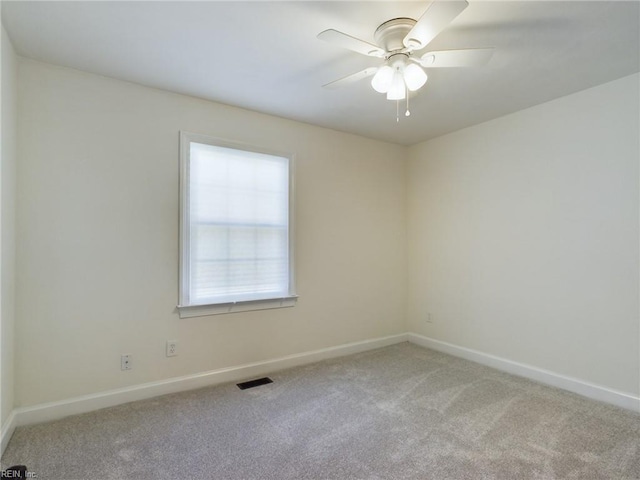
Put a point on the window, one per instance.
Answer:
(235, 228)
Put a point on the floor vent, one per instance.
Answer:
(254, 383)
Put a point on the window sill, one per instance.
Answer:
(187, 311)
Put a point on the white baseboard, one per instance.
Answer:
(86, 403)
(586, 389)
(54, 410)
(7, 429)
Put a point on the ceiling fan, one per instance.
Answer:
(399, 42)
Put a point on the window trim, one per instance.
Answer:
(186, 309)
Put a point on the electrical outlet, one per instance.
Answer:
(172, 348)
(126, 362)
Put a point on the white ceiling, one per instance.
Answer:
(264, 56)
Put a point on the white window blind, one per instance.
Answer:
(237, 233)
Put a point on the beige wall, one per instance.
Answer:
(523, 236)
(98, 229)
(7, 225)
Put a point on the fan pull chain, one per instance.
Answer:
(397, 111)
(407, 113)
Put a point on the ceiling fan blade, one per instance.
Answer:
(439, 14)
(354, 77)
(351, 43)
(472, 57)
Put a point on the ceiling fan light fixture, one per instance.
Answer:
(400, 41)
(397, 91)
(414, 77)
(381, 81)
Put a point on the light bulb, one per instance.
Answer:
(414, 76)
(381, 81)
(397, 89)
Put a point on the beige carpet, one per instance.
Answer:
(401, 412)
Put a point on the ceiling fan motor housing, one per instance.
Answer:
(391, 33)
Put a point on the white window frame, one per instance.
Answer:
(185, 309)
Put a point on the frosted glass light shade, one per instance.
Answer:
(397, 89)
(381, 81)
(414, 77)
